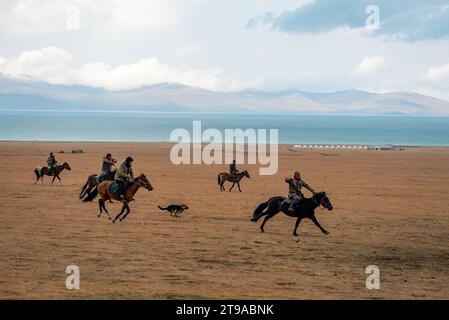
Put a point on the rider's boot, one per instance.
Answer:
(291, 208)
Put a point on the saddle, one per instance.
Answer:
(286, 202)
(114, 187)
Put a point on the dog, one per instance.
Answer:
(175, 209)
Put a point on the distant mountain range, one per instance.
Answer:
(173, 97)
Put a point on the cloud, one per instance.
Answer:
(369, 65)
(44, 63)
(438, 73)
(411, 21)
(56, 66)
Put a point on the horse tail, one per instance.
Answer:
(257, 213)
(84, 189)
(91, 195)
(37, 171)
(218, 179)
(160, 208)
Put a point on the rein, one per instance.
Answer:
(318, 204)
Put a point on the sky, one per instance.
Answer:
(232, 45)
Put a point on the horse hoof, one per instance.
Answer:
(262, 231)
(296, 235)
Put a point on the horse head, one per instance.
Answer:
(245, 174)
(143, 182)
(322, 199)
(65, 165)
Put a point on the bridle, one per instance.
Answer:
(321, 202)
(142, 184)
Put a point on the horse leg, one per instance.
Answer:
(314, 219)
(238, 185)
(121, 212)
(54, 177)
(298, 221)
(105, 210)
(100, 206)
(128, 210)
(232, 187)
(268, 217)
(60, 182)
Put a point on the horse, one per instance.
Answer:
(45, 171)
(105, 194)
(306, 209)
(90, 187)
(235, 178)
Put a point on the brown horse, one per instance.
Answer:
(235, 178)
(105, 194)
(45, 171)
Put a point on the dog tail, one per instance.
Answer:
(160, 208)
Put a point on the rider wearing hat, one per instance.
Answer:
(124, 175)
(295, 185)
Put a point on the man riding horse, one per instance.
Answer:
(52, 163)
(106, 167)
(124, 175)
(233, 168)
(295, 185)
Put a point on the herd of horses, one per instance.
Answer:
(268, 209)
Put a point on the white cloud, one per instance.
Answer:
(45, 63)
(369, 65)
(56, 66)
(438, 73)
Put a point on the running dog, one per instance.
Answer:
(175, 209)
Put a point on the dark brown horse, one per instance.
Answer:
(90, 187)
(105, 194)
(235, 178)
(45, 171)
(306, 209)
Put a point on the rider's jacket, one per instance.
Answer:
(124, 173)
(106, 166)
(51, 161)
(294, 186)
(233, 168)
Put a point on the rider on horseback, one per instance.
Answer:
(106, 167)
(233, 168)
(295, 184)
(52, 163)
(124, 175)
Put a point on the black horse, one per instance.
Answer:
(89, 190)
(306, 209)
